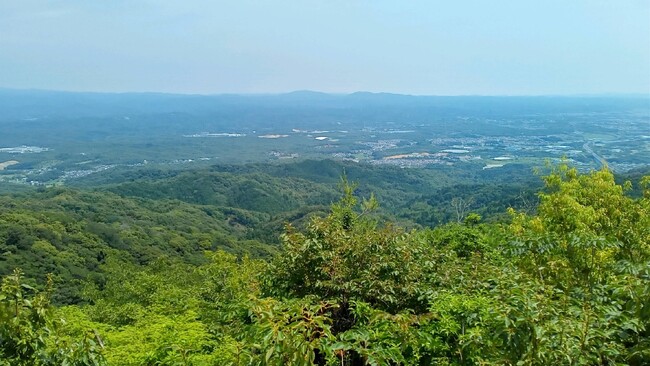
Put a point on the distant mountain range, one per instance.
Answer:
(25, 104)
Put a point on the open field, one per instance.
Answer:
(7, 164)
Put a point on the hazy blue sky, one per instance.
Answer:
(428, 47)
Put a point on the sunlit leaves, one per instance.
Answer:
(347, 256)
(29, 333)
(569, 285)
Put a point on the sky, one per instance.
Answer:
(428, 47)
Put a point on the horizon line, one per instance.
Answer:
(310, 91)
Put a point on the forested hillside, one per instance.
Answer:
(144, 215)
(421, 196)
(182, 268)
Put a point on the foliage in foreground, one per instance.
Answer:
(568, 286)
(30, 334)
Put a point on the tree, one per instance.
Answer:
(347, 256)
(460, 207)
(28, 331)
(584, 274)
(348, 277)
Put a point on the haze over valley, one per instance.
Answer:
(52, 137)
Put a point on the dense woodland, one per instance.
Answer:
(292, 264)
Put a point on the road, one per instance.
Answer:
(598, 158)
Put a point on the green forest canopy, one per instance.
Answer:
(566, 285)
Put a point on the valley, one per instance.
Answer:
(375, 129)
